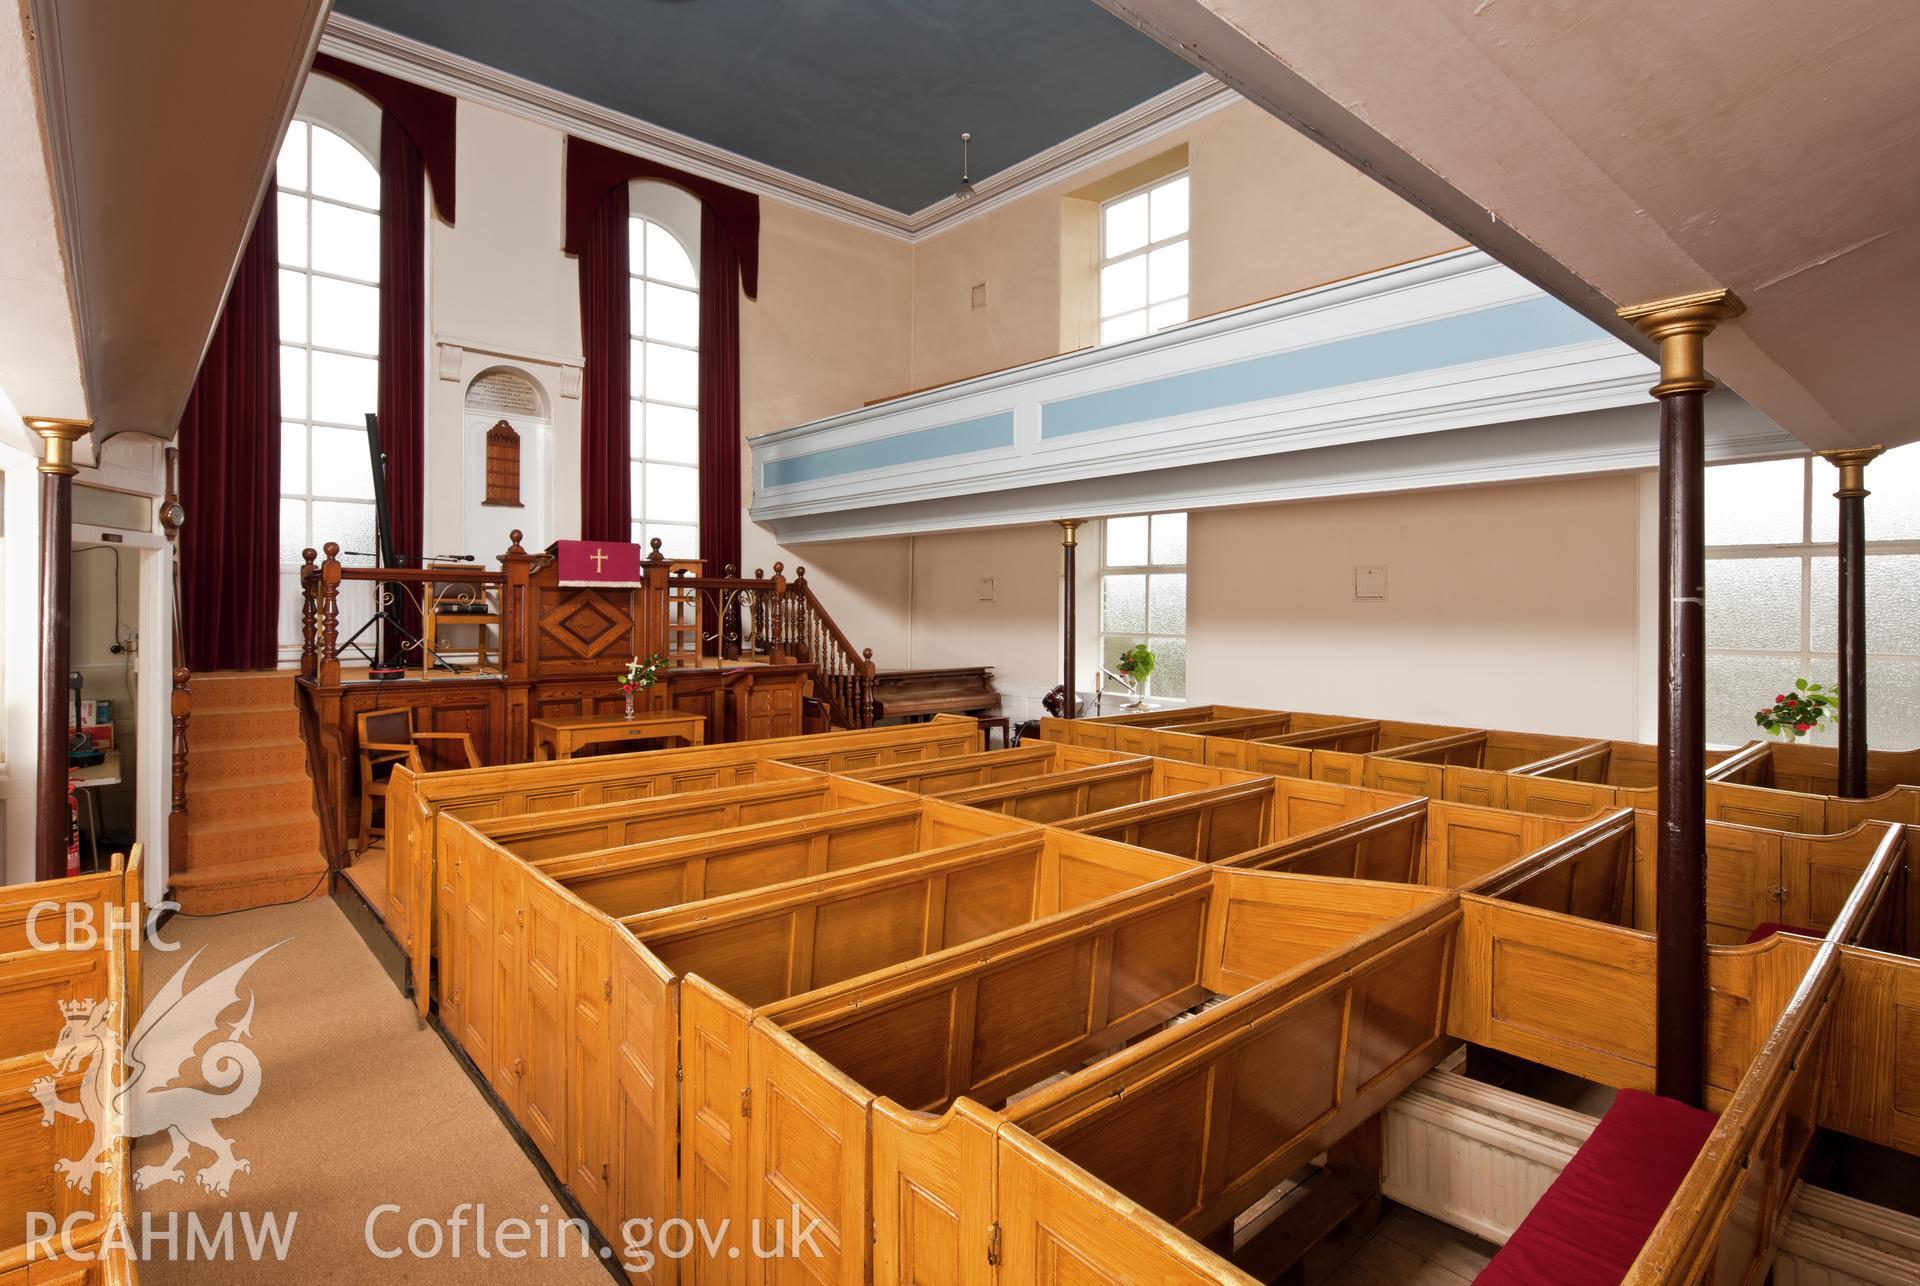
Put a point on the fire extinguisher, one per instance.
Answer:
(73, 828)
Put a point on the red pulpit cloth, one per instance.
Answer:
(598, 562)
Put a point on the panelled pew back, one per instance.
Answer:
(985, 768)
(69, 983)
(416, 803)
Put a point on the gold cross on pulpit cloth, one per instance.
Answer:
(599, 558)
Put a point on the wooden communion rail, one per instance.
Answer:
(856, 976)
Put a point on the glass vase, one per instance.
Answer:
(628, 693)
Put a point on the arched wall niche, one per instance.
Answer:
(507, 391)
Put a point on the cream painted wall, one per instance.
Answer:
(1272, 213)
(1511, 606)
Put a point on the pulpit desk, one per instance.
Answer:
(563, 738)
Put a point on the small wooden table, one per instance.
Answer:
(563, 738)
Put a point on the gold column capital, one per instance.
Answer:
(1681, 325)
(58, 436)
(1068, 528)
(1852, 463)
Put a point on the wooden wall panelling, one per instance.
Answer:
(1873, 1088)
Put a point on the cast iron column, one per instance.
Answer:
(56, 591)
(1852, 634)
(1068, 542)
(1681, 327)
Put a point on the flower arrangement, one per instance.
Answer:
(1137, 664)
(638, 676)
(1806, 708)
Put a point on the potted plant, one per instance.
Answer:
(1804, 709)
(1136, 663)
(638, 676)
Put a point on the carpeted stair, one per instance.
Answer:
(252, 838)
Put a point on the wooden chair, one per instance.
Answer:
(387, 738)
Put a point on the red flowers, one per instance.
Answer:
(1801, 727)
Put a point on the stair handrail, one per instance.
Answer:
(811, 632)
(172, 515)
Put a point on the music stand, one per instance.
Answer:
(385, 556)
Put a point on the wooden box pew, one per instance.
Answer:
(1058, 796)
(1724, 1183)
(1815, 770)
(1290, 754)
(1008, 1012)
(580, 830)
(416, 802)
(1098, 734)
(1795, 787)
(691, 868)
(1202, 826)
(1762, 880)
(1188, 741)
(960, 772)
(69, 983)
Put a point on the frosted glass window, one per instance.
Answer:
(349, 524)
(346, 242)
(1126, 542)
(293, 459)
(293, 532)
(342, 173)
(1143, 261)
(345, 388)
(1756, 504)
(341, 466)
(1143, 595)
(293, 381)
(1123, 604)
(1754, 603)
(664, 382)
(1772, 592)
(346, 315)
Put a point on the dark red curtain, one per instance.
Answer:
(402, 395)
(606, 505)
(229, 443)
(719, 396)
(594, 171)
(428, 116)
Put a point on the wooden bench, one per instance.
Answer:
(1058, 796)
(416, 802)
(1203, 826)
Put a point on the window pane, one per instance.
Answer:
(1167, 273)
(346, 242)
(673, 315)
(293, 382)
(341, 466)
(346, 316)
(1169, 678)
(1111, 646)
(290, 168)
(673, 375)
(293, 230)
(1169, 539)
(293, 307)
(636, 428)
(636, 245)
(637, 489)
(1169, 202)
(1167, 603)
(1893, 604)
(1753, 603)
(676, 540)
(1126, 542)
(667, 259)
(344, 388)
(348, 523)
(1172, 313)
(1893, 701)
(673, 433)
(636, 306)
(673, 493)
(1737, 686)
(1126, 225)
(1126, 326)
(1755, 504)
(1893, 508)
(636, 369)
(1123, 603)
(293, 459)
(1123, 285)
(293, 532)
(634, 531)
(341, 172)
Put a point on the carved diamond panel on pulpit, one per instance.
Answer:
(587, 624)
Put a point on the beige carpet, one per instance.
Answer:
(357, 1108)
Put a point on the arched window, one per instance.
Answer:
(665, 389)
(329, 194)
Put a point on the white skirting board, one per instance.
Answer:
(1477, 1158)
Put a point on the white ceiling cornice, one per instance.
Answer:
(423, 64)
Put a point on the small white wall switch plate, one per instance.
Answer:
(1370, 583)
(979, 294)
(984, 588)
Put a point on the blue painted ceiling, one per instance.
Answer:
(867, 96)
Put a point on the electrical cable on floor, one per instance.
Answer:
(215, 915)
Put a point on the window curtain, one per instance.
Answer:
(719, 396)
(402, 397)
(606, 502)
(229, 440)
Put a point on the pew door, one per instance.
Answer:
(807, 1157)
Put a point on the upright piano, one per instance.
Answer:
(915, 694)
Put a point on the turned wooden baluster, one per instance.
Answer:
(309, 612)
(329, 674)
(778, 612)
(867, 671)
